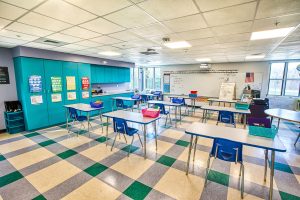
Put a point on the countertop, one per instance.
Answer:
(110, 93)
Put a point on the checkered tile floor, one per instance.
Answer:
(51, 164)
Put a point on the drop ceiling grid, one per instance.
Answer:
(176, 33)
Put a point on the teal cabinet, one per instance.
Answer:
(70, 70)
(109, 74)
(84, 70)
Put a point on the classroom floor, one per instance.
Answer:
(50, 164)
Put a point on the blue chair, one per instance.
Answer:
(144, 98)
(77, 118)
(137, 102)
(163, 111)
(158, 94)
(120, 104)
(226, 117)
(228, 151)
(121, 127)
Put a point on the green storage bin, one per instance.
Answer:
(263, 132)
(241, 106)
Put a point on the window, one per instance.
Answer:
(149, 78)
(284, 79)
(157, 80)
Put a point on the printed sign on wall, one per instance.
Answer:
(56, 97)
(36, 99)
(85, 94)
(85, 83)
(56, 84)
(35, 83)
(4, 76)
(71, 95)
(71, 84)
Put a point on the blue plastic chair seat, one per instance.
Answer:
(227, 150)
(81, 118)
(131, 131)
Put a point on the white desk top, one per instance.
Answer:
(220, 108)
(288, 115)
(182, 96)
(82, 107)
(222, 100)
(151, 95)
(126, 98)
(234, 134)
(167, 103)
(130, 116)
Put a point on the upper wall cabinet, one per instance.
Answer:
(108, 74)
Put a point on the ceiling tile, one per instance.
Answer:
(243, 27)
(196, 34)
(23, 28)
(74, 46)
(125, 35)
(16, 35)
(230, 15)
(206, 5)
(44, 22)
(202, 42)
(64, 11)
(273, 8)
(63, 49)
(12, 40)
(80, 32)
(24, 4)
(186, 23)
(4, 22)
(7, 45)
(8, 11)
(88, 43)
(102, 26)
(106, 40)
(100, 7)
(169, 9)
(108, 48)
(234, 38)
(131, 17)
(152, 30)
(39, 45)
(63, 38)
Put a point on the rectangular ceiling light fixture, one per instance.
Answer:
(109, 53)
(274, 33)
(177, 45)
(255, 57)
(203, 60)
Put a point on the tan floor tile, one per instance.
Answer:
(55, 134)
(98, 152)
(234, 194)
(162, 147)
(133, 166)
(75, 141)
(200, 157)
(26, 159)
(292, 159)
(13, 146)
(298, 178)
(5, 136)
(93, 189)
(254, 152)
(180, 186)
(53, 175)
(173, 133)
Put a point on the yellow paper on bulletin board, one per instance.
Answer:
(71, 84)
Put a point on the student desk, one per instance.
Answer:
(151, 95)
(211, 100)
(193, 100)
(167, 103)
(134, 118)
(124, 99)
(219, 108)
(82, 107)
(237, 135)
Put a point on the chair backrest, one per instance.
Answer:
(227, 150)
(161, 108)
(144, 98)
(178, 100)
(119, 103)
(158, 93)
(73, 113)
(136, 96)
(254, 121)
(226, 117)
(258, 111)
(120, 125)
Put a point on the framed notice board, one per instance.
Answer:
(4, 76)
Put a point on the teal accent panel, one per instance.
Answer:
(71, 69)
(56, 110)
(84, 70)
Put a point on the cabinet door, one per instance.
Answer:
(101, 74)
(127, 75)
(107, 76)
(93, 74)
(36, 114)
(120, 75)
(84, 70)
(70, 69)
(56, 110)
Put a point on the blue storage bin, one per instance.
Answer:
(193, 95)
(263, 132)
(96, 105)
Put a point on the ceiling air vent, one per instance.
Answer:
(149, 52)
(50, 42)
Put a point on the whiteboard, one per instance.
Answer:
(208, 84)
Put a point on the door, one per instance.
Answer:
(54, 74)
(70, 71)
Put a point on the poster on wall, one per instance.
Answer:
(71, 95)
(166, 85)
(4, 76)
(56, 84)
(71, 83)
(36, 99)
(249, 77)
(35, 83)
(85, 94)
(85, 83)
(56, 98)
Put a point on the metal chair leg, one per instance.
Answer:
(207, 170)
(112, 146)
(166, 120)
(195, 146)
(140, 140)
(130, 146)
(125, 138)
(242, 183)
(297, 139)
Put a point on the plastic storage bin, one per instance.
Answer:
(263, 132)
(14, 122)
(242, 106)
(96, 105)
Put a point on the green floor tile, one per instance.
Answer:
(9, 178)
(31, 134)
(218, 177)
(95, 169)
(2, 157)
(137, 190)
(67, 154)
(283, 167)
(63, 126)
(47, 143)
(106, 124)
(133, 148)
(166, 160)
(101, 139)
(40, 197)
(287, 196)
(182, 143)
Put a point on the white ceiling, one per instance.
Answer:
(216, 29)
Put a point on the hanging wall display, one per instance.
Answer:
(85, 94)
(71, 95)
(56, 84)
(56, 97)
(4, 76)
(71, 83)
(36, 99)
(85, 83)
(35, 83)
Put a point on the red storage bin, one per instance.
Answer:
(194, 92)
(150, 112)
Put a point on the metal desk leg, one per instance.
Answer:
(155, 131)
(180, 114)
(189, 155)
(194, 106)
(266, 165)
(203, 115)
(245, 120)
(88, 119)
(100, 115)
(107, 130)
(67, 119)
(206, 111)
(145, 145)
(278, 123)
(175, 116)
(272, 174)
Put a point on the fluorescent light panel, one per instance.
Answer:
(177, 45)
(203, 59)
(109, 53)
(275, 33)
(254, 57)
